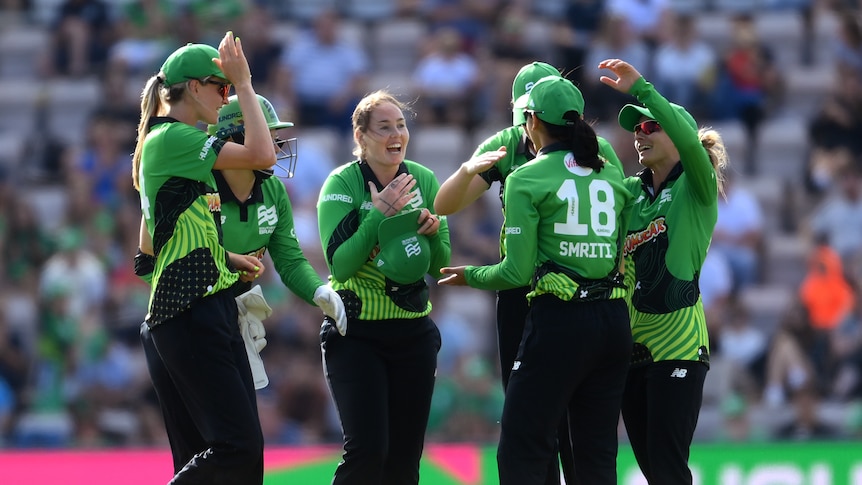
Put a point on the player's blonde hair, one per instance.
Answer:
(154, 99)
(714, 145)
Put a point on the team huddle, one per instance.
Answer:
(598, 304)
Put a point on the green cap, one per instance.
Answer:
(631, 115)
(553, 97)
(405, 255)
(523, 83)
(191, 61)
(230, 121)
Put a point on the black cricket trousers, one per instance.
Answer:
(574, 357)
(660, 409)
(199, 368)
(381, 375)
(512, 310)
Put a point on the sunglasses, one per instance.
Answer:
(223, 87)
(647, 127)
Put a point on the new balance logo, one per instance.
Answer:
(680, 373)
(516, 365)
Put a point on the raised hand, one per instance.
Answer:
(232, 60)
(483, 162)
(625, 72)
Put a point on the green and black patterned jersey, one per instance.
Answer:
(565, 221)
(181, 206)
(518, 153)
(348, 223)
(667, 240)
(265, 222)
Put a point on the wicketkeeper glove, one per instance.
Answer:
(253, 309)
(329, 301)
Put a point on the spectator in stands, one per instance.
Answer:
(835, 132)
(262, 50)
(147, 32)
(213, 17)
(26, 244)
(744, 345)
(510, 48)
(748, 84)
(447, 82)
(788, 365)
(806, 424)
(739, 233)
(81, 36)
(101, 167)
(828, 299)
(738, 425)
(323, 76)
(648, 18)
(716, 290)
(837, 221)
(76, 269)
(15, 364)
(616, 40)
(573, 36)
(848, 45)
(846, 355)
(684, 65)
(471, 18)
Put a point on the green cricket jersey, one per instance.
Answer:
(265, 222)
(181, 207)
(348, 223)
(667, 240)
(565, 221)
(518, 153)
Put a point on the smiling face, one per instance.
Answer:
(384, 140)
(211, 93)
(656, 148)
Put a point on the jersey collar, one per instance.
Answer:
(646, 178)
(227, 195)
(553, 147)
(369, 176)
(524, 146)
(158, 120)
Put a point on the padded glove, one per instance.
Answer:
(329, 301)
(253, 309)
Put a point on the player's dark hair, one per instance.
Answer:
(580, 138)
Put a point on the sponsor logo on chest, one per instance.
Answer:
(267, 219)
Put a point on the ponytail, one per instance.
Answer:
(714, 145)
(150, 105)
(580, 138)
(154, 99)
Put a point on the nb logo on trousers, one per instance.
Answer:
(680, 373)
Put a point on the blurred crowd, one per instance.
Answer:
(71, 366)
